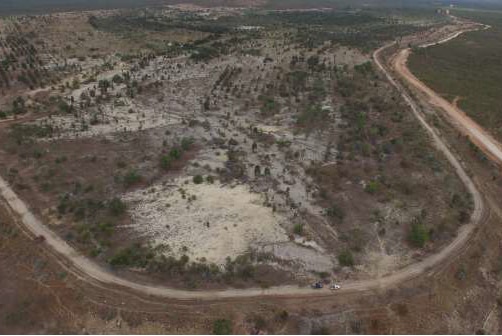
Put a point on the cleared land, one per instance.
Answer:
(244, 153)
(252, 149)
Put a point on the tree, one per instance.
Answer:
(132, 177)
(298, 229)
(345, 258)
(18, 105)
(186, 143)
(418, 235)
(335, 212)
(117, 207)
(165, 162)
(198, 179)
(175, 153)
(312, 62)
(104, 85)
(117, 79)
(222, 327)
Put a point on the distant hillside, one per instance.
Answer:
(13, 7)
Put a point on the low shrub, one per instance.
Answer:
(222, 327)
(345, 258)
(198, 179)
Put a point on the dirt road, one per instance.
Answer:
(466, 125)
(92, 272)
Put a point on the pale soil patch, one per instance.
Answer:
(380, 264)
(303, 257)
(221, 222)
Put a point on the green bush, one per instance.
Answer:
(298, 229)
(134, 256)
(165, 162)
(186, 143)
(132, 177)
(372, 187)
(321, 330)
(117, 79)
(64, 106)
(335, 212)
(418, 235)
(345, 258)
(175, 154)
(269, 105)
(198, 179)
(117, 207)
(222, 327)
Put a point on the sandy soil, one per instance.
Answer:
(221, 222)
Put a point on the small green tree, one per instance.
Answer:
(298, 229)
(335, 212)
(346, 258)
(198, 179)
(372, 187)
(165, 162)
(186, 143)
(175, 153)
(117, 79)
(131, 178)
(418, 235)
(117, 207)
(222, 327)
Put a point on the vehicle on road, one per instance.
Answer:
(317, 285)
(39, 239)
(335, 286)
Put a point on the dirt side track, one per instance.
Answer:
(90, 272)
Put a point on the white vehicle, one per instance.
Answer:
(334, 286)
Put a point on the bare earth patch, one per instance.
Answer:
(222, 221)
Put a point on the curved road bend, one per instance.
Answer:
(93, 272)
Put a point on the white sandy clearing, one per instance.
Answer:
(237, 219)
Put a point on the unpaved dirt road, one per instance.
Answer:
(465, 124)
(89, 271)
